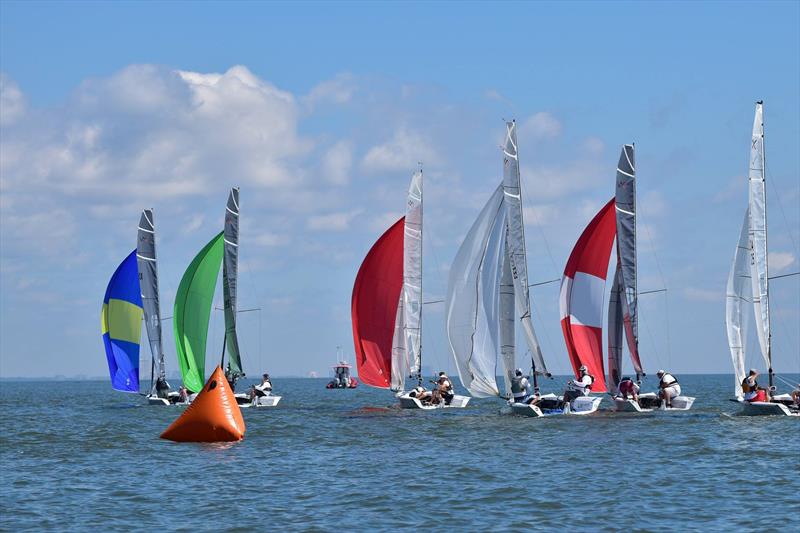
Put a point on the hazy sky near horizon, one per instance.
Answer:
(320, 113)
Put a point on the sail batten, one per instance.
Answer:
(230, 270)
(148, 281)
(581, 295)
(121, 325)
(192, 311)
(758, 236)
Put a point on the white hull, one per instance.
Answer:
(264, 401)
(584, 405)
(408, 402)
(769, 408)
(173, 398)
(679, 403)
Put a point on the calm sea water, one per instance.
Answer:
(76, 455)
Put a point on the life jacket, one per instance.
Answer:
(516, 386)
(746, 386)
(670, 384)
(589, 386)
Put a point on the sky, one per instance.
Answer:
(320, 112)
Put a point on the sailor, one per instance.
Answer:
(796, 396)
(627, 388)
(668, 387)
(419, 392)
(162, 387)
(445, 388)
(183, 394)
(262, 389)
(231, 377)
(579, 387)
(751, 389)
(520, 387)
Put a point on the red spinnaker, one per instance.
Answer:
(582, 291)
(376, 294)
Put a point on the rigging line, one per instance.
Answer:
(543, 282)
(550, 345)
(784, 276)
(651, 292)
(240, 310)
(786, 382)
(783, 213)
(663, 282)
(432, 302)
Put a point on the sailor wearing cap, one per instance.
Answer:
(579, 387)
(520, 387)
(445, 388)
(668, 387)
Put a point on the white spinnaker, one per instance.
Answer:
(516, 246)
(737, 304)
(473, 298)
(758, 236)
(406, 344)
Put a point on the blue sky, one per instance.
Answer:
(320, 112)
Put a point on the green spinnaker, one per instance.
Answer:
(193, 309)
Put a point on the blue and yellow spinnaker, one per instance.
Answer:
(121, 325)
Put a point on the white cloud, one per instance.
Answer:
(12, 101)
(332, 221)
(382, 222)
(780, 261)
(402, 152)
(594, 146)
(704, 295)
(193, 223)
(268, 238)
(339, 90)
(542, 125)
(337, 163)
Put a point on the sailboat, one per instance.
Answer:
(748, 282)
(488, 294)
(386, 307)
(623, 305)
(193, 303)
(148, 281)
(132, 295)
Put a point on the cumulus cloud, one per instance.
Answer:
(337, 162)
(401, 153)
(542, 125)
(332, 221)
(780, 261)
(12, 101)
(339, 90)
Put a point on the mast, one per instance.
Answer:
(759, 267)
(421, 255)
(148, 281)
(766, 246)
(230, 273)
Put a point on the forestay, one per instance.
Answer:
(192, 311)
(121, 325)
(230, 269)
(473, 300)
(407, 339)
(737, 303)
(148, 281)
(581, 297)
(758, 236)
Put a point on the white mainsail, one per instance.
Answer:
(473, 300)
(736, 304)
(406, 344)
(148, 282)
(518, 259)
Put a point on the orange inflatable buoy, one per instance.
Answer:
(213, 416)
